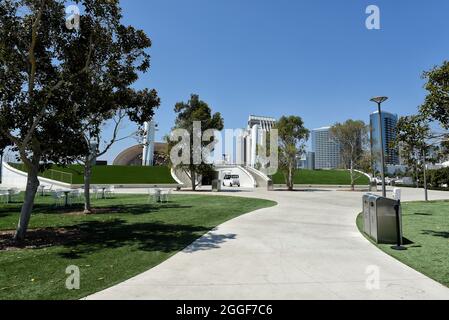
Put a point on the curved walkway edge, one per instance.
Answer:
(307, 247)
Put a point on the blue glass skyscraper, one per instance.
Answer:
(389, 123)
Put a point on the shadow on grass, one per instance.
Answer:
(134, 209)
(152, 236)
(440, 234)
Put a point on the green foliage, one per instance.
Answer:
(436, 105)
(59, 83)
(292, 138)
(188, 113)
(412, 135)
(439, 178)
(351, 135)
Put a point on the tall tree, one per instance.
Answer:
(436, 104)
(292, 138)
(107, 94)
(350, 135)
(196, 110)
(45, 68)
(413, 133)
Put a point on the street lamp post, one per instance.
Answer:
(426, 190)
(379, 101)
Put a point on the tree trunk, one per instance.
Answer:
(290, 178)
(27, 207)
(87, 177)
(193, 179)
(352, 176)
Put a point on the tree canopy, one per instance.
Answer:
(57, 79)
(292, 136)
(351, 136)
(196, 110)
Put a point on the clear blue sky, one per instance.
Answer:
(315, 59)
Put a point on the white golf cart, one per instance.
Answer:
(231, 180)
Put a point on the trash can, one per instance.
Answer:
(382, 220)
(216, 185)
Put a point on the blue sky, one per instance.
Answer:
(315, 59)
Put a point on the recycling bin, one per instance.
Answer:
(382, 220)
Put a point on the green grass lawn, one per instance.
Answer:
(126, 237)
(426, 225)
(322, 177)
(113, 174)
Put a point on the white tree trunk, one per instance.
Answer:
(352, 176)
(87, 178)
(27, 207)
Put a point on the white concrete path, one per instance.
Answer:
(307, 247)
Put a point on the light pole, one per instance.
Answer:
(379, 101)
(426, 192)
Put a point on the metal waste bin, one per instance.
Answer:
(382, 219)
(216, 185)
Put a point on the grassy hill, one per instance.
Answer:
(109, 174)
(322, 177)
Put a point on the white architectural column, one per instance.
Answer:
(254, 144)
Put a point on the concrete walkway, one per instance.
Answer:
(307, 247)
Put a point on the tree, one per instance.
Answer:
(350, 136)
(108, 97)
(45, 68)
(436, 104)
(195, 110)
(292, 138)
(412, 134)
(365, 163)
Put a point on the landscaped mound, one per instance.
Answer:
(322, 177)
(109, 174)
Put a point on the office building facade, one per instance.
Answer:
(389, 122)
(326, 149)
(255, 132)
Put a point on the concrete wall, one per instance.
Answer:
(13, 178)
(261, 179)
(246, 178)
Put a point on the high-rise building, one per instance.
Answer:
(148, 143)
(310, 161)
(389, 122)
(255, 133)
(327, 150)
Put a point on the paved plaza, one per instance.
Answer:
(306, 247)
